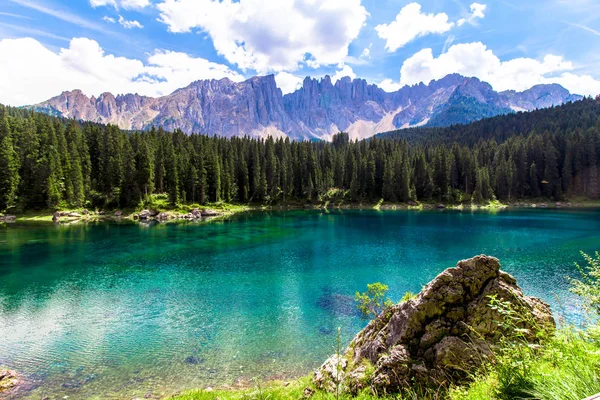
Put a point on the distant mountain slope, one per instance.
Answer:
(319, 109)
(539, 96)
(580, 116)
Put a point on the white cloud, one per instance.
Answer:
(123, 22)
(288, 83)
(129, 24)
(366, 53)
(410, 24)
(101, 3)
(477, 11)
(585, 85)
(267, 35)
(343, 71)
(126, 4)
(389, 85)
(135, 3)
(37, 73)
(475, 59)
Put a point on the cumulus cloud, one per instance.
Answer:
(109, 19)
(288, 83)
(343, 71)
(389, 85)
(410, 24)
(366, 53)
(127, 4)
(38, 73)
(266, 35)
(477, 11)
(475, 59)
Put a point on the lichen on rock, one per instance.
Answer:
(441, 335)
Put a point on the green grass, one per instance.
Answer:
(334, 198)
(565, 368)
(157, 202)
(275, 390)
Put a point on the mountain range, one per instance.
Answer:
(319, 109)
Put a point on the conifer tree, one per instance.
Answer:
(9, 164)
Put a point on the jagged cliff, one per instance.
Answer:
(319, 109)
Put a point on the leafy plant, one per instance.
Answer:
(338, 366)
(374, 301)
(515, 354)
(588, 286)
(407, 296)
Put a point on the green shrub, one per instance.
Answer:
(374, 301)
(588, 286)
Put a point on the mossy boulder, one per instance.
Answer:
(442, 334)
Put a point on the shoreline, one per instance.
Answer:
(222, 211)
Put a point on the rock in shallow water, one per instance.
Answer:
(9, 380)
(337, 304)
(439, 336)
(194, 360)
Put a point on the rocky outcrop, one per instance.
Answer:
(8, 218)
(9, 381)
(319, 109)
(439, 336)
(226, 108)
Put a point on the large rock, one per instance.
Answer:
(210, 213)
(439, 336)
(145, 214)
(8, 380)
(163, 216)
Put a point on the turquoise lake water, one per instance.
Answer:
(125, 310)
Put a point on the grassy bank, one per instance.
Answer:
(129, 214)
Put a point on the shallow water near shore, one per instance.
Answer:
(112, 310)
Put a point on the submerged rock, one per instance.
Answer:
(337, 304)
(439, 336)
(194, 360)
(325, 330)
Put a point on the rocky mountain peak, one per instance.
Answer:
(318, 109)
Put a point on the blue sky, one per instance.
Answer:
(153, 47)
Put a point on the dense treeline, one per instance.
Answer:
(52, 162)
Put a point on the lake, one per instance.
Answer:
(123, 310)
